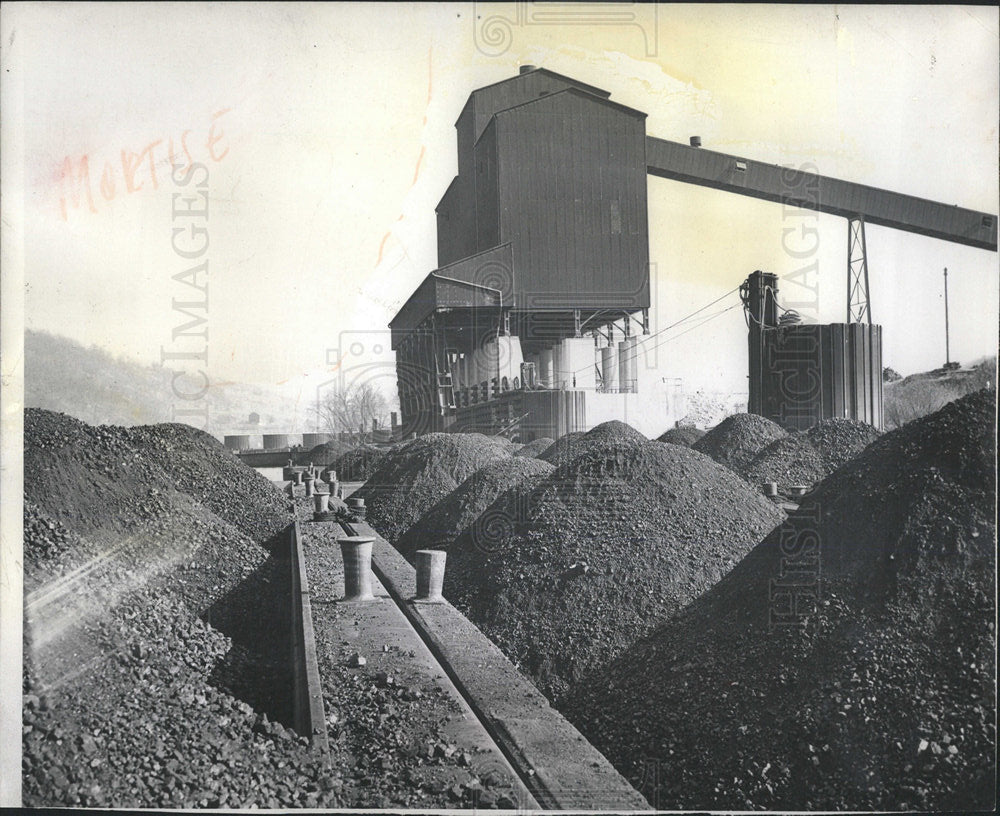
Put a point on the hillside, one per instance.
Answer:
(94, 386)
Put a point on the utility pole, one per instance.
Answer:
(947, 348)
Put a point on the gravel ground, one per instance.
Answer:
(621, 537)
(686, 436)
(736, 440)
(457, 512)
(808, 457)
(880, 695)
(418, 474)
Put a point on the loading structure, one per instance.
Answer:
(530, 321)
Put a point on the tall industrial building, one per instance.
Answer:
(543, 278)
(530, 322)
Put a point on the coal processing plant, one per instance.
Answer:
(534, 320)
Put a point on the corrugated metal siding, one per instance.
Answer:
(808, 373)
(565, 161)
(487, 191)
(517, 90)
(456, 221)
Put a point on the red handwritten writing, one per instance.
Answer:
(137, 168)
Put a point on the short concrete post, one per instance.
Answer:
(771, 489)
(430, 575)
(357, 506)
(357, 553)
(309, 485)
(322, 502)
(298, 477)
(290, 489)
(340, 492)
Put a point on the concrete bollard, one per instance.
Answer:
(357, 553)
(430, 576)
(798, 491)
(310, 485)
(340, 492)
(298, 477)
(322, 502)
(356, 506)
(330, 476)
(770, 489)
(290, 489)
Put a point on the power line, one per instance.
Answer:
(674, 325)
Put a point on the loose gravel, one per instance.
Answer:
(359, 464)
(879, 695)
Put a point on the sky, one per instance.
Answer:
(327, 135)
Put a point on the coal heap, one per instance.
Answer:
(875, 689)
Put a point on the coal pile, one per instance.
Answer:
(808, 457)
(358, 464)
(418, 474)
(567, 447)
(686, 435)
(564, 578)
(460, 509)
(736, 440)
(156, 651)
(536, 447)
(198, 465)
(878, 695)
(324, 454)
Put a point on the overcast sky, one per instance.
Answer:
(328, 133)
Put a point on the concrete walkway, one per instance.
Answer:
(562, 770)
(400, 709)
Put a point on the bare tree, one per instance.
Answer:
(353, 408)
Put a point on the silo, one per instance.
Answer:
(276, 441)
(237, 442)
(609, 368)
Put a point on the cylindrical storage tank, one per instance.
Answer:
(238, 442)
(545, 368)
(609, 368)
(805, 373)
(276, 441)
(626, 365)
(311, 440)
(558, 375)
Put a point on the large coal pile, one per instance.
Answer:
(460, 509)
(536, 447)
(602, 549)
(156, 638)
(358, 464)
(198, 465)
(686, 435)
(736, 440)
(807, 457)
(567, 447)
(418, 474)
(879, 695)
